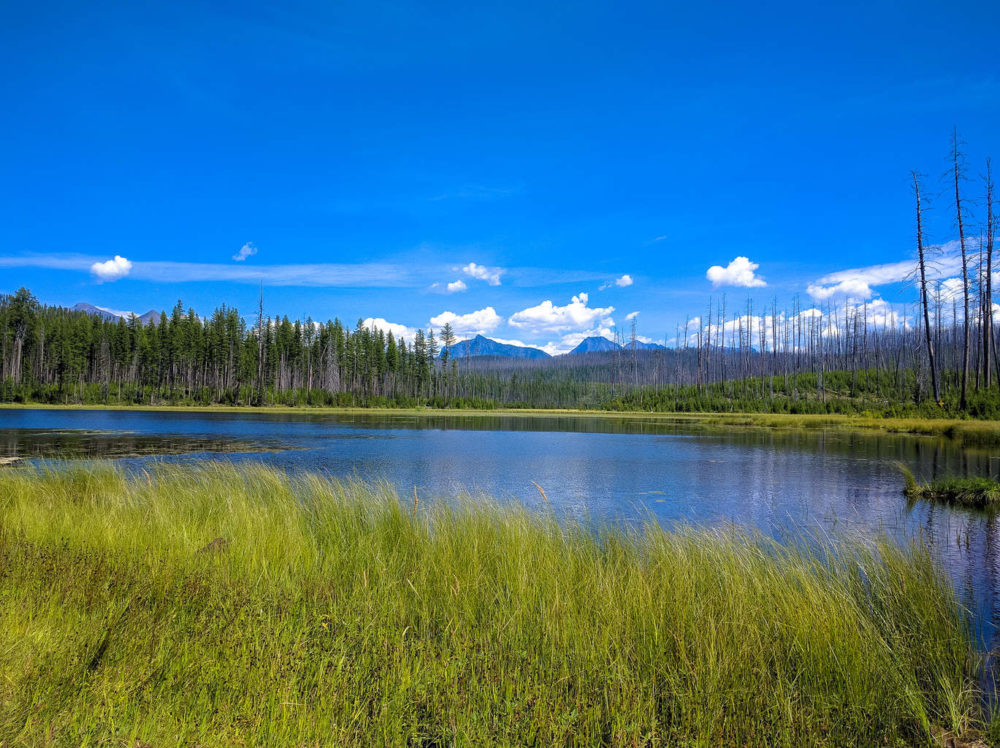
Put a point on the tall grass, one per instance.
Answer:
(976, 492)
(330, 615)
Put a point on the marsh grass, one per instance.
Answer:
(333, 616)
(973, 492)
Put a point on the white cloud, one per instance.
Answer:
(474, 323)
(942, 261)
(631, 316)
(399, 332)
(456, 286)
(312, 275)
(739, 272)
(508, 341)
(546, 317)
(881, 313)
(111, 270)
(857, 283)
(571, 340)
(247, 250)
(116, 312)
(852, 288)
(877, 313)
(623, 282)
(952, 289)
(480, 272)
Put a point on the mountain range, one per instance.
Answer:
(152, 316)
(483, 346)
(600, 344)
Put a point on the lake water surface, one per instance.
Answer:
(599, 469)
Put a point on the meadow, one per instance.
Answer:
(216, 605)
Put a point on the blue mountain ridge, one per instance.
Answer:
(483, 346)
(144, 319)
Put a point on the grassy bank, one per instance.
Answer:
(331, 613)
(975, 492)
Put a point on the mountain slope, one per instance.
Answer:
(152, 316)
(483, 346)
(595, 344)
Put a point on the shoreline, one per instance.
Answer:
(971, 430)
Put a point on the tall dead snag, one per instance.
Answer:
(260, 347)
(957, 171)
(924, 300)
(988, 277)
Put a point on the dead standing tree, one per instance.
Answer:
(924, 300)
(988, 278)
(958, 173)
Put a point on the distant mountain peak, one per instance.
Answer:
(480, 345)
(152, 316)
(640, 346)
(595, 344)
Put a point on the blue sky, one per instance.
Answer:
(543, 154)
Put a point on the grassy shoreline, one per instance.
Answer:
(969, 431)
(333, 613)
(973, 492)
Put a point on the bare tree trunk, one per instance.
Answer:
(923, 289)
(957, 171)
(260, 348)
(988, 277)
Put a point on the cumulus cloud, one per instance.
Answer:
(474, 323)
(740, 272)
(631, 316)
(509, 341)
(547, 317)
(480, 272)
(399, 332)
(571, 340)
(876, 314)
(951, 289)
(854, 288)
(456, 286)
(247, 250)
(623, 282)
(111, 270)
(857, 283)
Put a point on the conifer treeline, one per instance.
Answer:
(54, 354)
(858, 357)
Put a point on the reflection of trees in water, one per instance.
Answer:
(967, 543)
(846, 442)
(991, 559)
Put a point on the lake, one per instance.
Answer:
(599, 469)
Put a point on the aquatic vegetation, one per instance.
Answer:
(976, 492)
(219, 605)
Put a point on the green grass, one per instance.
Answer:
(337, 614)
(976, 492)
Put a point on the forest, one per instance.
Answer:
(840, 360)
